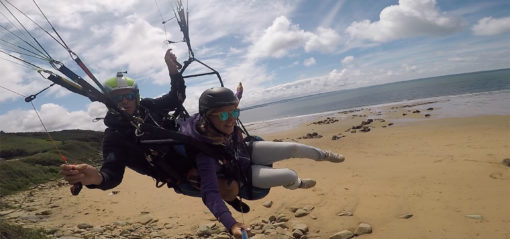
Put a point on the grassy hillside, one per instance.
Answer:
(8, 231)
(31, 158)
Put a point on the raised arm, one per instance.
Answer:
(177, 94)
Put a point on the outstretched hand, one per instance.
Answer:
(237, 230)
(171, 62)
(81, 173)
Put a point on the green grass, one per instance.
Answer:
(18, 175)
(8, 231)
(39, 161)
(13, 146)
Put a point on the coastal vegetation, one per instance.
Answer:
(29, 159)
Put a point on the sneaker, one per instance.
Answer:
(239, 206)
(307, 183)
(332, 157)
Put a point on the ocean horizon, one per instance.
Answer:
(464, 84)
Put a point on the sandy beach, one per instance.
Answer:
(409, 176)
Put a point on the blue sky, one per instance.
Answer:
(277, 49)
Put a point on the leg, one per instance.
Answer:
(267, 177)
(268, 152)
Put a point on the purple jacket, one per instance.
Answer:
(207, 167)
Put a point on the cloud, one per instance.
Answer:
(410, 18)
(278, 39)
(55, 117)
(347, 60)
(283, 36)
(334, 80)
(23, 82)
(309, 62)
(488, 26)
(325, 40)
(120, 48)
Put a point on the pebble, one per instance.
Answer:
(301, 213)
(293, 209)
(280, 225)
(474, 216)
(221, 236)
(84, 226)
(204, 230)
(336, 137)
(345, 234)
(406, 216)
(120, 223)
(144, 220)
(313, 135)
(98, 230)
(268, 204)
(297, 233)
(282, 218)
(365, 129)
(300, 226)
(309, 208)
(363, 228)
(344, 213)
(506, 162)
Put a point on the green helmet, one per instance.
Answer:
(121, 82)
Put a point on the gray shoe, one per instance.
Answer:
(307, 183)
(332, 157)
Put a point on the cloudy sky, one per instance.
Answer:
(278, 49)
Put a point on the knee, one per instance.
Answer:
(292, 148)
(292, 175)
(228, 191)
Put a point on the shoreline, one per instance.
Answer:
(472, 108)
(437, 170)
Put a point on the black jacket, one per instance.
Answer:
(120, 147)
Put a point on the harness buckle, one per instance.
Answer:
(137, 123)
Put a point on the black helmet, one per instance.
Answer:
(214, 98)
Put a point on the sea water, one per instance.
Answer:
(467, 85)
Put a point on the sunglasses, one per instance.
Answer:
(128, 96)
(224, 115)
